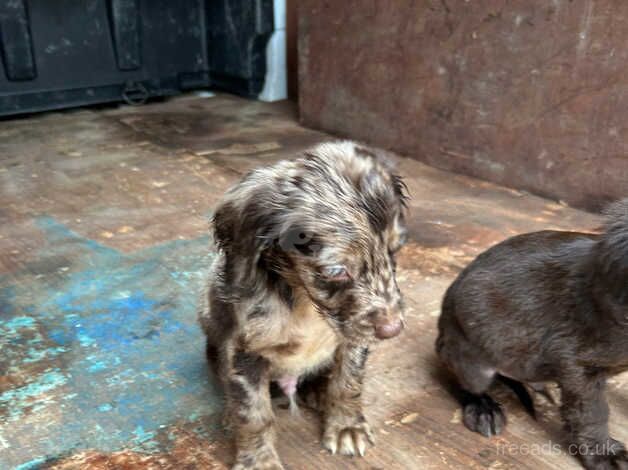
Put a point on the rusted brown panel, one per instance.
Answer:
(530, 93)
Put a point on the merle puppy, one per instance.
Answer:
(303, 284)
(544, 306)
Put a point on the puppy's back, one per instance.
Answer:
(520, 272)
(510, 296)
(529, 292)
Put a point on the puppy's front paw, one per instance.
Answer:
(484, 415)
(347, 438)
(262, 459)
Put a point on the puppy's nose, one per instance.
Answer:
(389, 328)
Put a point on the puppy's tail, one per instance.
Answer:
(521, 392)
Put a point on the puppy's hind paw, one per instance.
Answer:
(349, 440)
(484, 415)
(261, 460)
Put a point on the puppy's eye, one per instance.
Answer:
(336, 273)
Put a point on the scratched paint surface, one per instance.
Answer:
(92, 356)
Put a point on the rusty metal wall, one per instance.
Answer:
(531, 93)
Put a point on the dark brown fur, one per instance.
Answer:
(303, 283)
(544, 306)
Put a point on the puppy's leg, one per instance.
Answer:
(585, 412)
(481, 413)
(249, 411)
(345, 427)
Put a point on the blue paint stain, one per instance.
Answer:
(32, 464)
(142, 436)
(85, 340)
(60, 234)
(37, 355)
(16, 400)
(7, 300)
(118, 332)
(19, 322)
(97, 366)
(116, 322)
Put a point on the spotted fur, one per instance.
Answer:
(303, 283)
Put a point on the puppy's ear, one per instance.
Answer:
(386, 163)
(387, 196)
(223, 224)
(611, 252)
(401, 190)
(243, 227)
(399, 232)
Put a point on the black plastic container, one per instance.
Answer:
(238, 33)
(64, 53)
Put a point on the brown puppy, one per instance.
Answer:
(303, 283)
(544, 306)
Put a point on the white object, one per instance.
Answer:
(276, 82)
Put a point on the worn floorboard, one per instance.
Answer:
(103, 245)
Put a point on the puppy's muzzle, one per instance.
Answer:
(387, 324)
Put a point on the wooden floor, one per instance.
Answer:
(103, 244)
